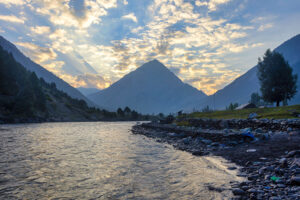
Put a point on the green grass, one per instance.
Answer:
(282, 112)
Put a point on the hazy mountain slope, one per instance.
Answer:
(42, 72)
(88, 91)
(152, 88)
(240, 90)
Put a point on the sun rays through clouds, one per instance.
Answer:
(93, 43)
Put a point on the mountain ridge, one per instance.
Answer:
(151, 88)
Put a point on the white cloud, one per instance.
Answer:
(265, 26)
(12, 18)
(130, 16)
(60, 13)
(8, 3)
(91, 80)
(40, 29)
(37, 53)
(211, 4)
(201, 3)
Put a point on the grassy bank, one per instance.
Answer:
(282, 112)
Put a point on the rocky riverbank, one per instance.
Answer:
(269, 154)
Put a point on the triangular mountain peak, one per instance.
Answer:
(153, 65)
(151, 88)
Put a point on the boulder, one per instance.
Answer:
(295, 180)
(199, 153)
(238, 191)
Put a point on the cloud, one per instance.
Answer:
(265, 26)
(192, 42)
(54, 67)
(91, 80)
(60, 12)
(40, 29)
(211, 4)
(130, 16)
(12, 18)
(37, 53)
(9, 3)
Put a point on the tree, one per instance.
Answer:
(277, 82)
(120, 112)
(206, 109)
(127, 110)
(232, 106)
(255, 99)
(134, 115)
(161, 115)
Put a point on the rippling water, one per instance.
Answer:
(101, 160)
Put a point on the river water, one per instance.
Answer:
(101, 160)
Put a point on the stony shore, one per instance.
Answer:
(267, 150)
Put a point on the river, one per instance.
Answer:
(102, 160)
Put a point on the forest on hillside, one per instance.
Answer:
(26, 98)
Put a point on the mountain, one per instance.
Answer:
(26, 98)
(152, 88)
(42, 72)
(88, 91)
(240, 90)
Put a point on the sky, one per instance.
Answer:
(94, 43)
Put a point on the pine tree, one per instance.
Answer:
(276, 78)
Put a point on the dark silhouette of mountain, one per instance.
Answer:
(42, 72)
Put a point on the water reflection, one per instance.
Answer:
(100, 161)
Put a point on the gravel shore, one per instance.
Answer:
(269, 155)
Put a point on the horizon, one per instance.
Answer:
(94, 44)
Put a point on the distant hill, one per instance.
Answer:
(26, 98)
(88, 91)
(152, 88)
(42, 72)
(240, 90)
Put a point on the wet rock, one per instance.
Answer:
(295, 180)
(252, 190)
(217, 189)
(187, 140)
(206, 141)
(238, 192)
(281, 185)
(177, 135)
(259, 130)
(275, 198)
(283, 162)
(199, 153)
(223, 124)
(231, 168)
(295, 153)
(215, 144)
(252, 177)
